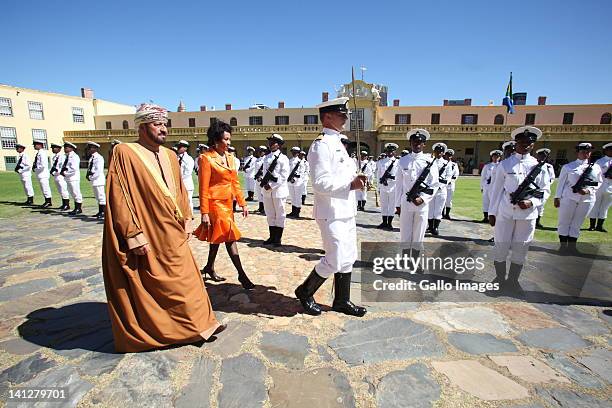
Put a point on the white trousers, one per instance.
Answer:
(513, 235)
(304, 188)
(541, 206)
(74, 189)
(600, 209)
(189, 194)
(258, 192)
(100, 194)
(362, 195)
(295, 194)
(250, 183)
(571, 216)
(275, 210)
(44, 186)
(412, 227)
(340, 244)
(27, 186)
(62, 188)
(387, 203)
(449, 196)
(436, 206)
(485, 200)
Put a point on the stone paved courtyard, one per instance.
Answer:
(55, 332)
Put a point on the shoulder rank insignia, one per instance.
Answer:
(320, 137)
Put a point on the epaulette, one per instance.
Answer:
(320, 137)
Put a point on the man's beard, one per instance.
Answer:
(157, 139)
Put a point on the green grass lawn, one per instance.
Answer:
(467, 202)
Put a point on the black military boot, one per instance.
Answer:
(29, 201)
(303, 199)
(297, 212)
(100, 214)
(65, 204)
(47, 203)
(429, 226)
(260, 208)
(592, 224)
(447, 213)
(538, 224)
(434, 227)
(342, 296)
(500, 273)
(383, 224)
(572, 247)
(250, 196)
(418, 264)
(306, 290)
(563, 240)
(512, 285)
(270, 239)
(486, 217)
(389, 223)
(77, 209)
(600, 223)
(278, 236)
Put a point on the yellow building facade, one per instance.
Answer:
(27, 115)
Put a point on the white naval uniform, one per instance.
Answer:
(514, 227)
(274, 199)
(306, 177)
(297, 187)
(604, 193)
(413, 218)
(366, 169)
(250, 169)
(436, 207)
(41, 168)
(575, 207)
(25, 173)
(334, 202)
(450, 188)
(387, 193)
(186, 163)
(486, 182)
(56, 165)
(96, 170)
(258, 189)
(550, 178)
(72, 176)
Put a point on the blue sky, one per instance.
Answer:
(266, 51)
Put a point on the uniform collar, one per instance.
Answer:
(416, 155)
(329, 131)
(521, 157)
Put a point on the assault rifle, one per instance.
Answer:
(525, 190)
(259, 173)
(387, 175)
(269, 176)
(585, 179)
(419, 185)
(18, 166)
(247, 164)
(440, 179)
(293, 175)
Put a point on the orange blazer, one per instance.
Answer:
(218, 181)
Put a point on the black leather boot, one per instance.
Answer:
(429, 226)
(563, 240)
(303, 199)
(278, 236)
(29, 201)
(100, 214)
(419, 265)
(383, 224)
(500, 273)
(250, 196)
(486, 217)
(512, 285)
(261, 209)
(65, 204)
(592, 224)
(447, 214)
(297, 212)
(306, 290)
(600, 223)
(389, 223)
(434, 228)
(270, 239)
(342, 296)
(47, 203)
(77, 209)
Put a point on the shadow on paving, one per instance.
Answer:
(79, 326)
(258, 243)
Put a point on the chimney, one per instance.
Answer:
(324, 96)
(467, 102)
(228, 106)
(445, 103)
(202, 108)
(541, 100)
(281, 105)
(87, 93)
(396, 102)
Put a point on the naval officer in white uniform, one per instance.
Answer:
(486, 181)
(187, 164)
(295, 181)
(274, 189)
(95, 175)
(41, 169)
(450, 188)
(386, 169)
(57, 161)
(249, 168)
(24, 169)
(72, 174)
(334, 181)
(599, 213)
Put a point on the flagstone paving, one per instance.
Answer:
(492, 352)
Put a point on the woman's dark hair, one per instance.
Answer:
(216, 130)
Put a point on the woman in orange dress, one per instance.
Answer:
(218, 179)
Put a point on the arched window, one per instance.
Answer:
(499, 120)
(606, 119)
(233, 122)
(126, 125)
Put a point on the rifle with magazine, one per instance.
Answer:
(525, 189)
(259, 173)
(18, 166)
(269, 176)
(419, 185)
(440, 178)
(293, 175)
(585, 179)
(387, 175)
(247, 165)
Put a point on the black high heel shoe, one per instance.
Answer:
(213, 275)
(246, 282)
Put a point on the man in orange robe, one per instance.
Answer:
(156, 296)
